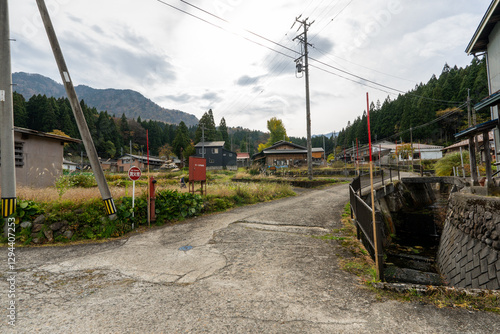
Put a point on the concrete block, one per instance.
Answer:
(483, 265)
(483, 279)
(465, 240)
(492, 257)
(475, 260)
(493, 285)
(468, 279)
(475, 283)
(477, 248)
(485, 252)
(469, 266)
(476, 272)
(492, 272)
(470, 255)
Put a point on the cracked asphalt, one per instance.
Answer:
(255, 269)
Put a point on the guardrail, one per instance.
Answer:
(361, 213)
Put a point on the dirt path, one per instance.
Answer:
(255, 269)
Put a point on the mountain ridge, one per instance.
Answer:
(115, 101)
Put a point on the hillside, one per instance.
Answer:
(114, 101)
(430, 113)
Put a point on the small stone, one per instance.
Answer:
(37, 228)
(488, 241)
(26, 224)
(494, 235)
(488, 215)
(39, 220)
(496, 245)
(36, 241)
(56, 226)
(49, 235)
(68, 234)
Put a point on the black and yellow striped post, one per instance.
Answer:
(8, 207)
(110, 206)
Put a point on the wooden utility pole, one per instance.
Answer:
(303, 39)
(8, 175)
(77, 111)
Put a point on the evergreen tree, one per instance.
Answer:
(224, 134)
(181, 140)
(20, 113)
(207, 120)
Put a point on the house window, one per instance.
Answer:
(211, 161)
(215, 151)
(230, 154)
(18, 154)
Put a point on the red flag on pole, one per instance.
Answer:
(147, 144)
(368, 120)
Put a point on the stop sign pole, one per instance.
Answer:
(134, 173)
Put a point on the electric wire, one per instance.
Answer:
(292, 50)
(446, 115)
(313, 37)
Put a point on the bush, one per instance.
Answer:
(83, 180)
(444, 167)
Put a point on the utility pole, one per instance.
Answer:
(77, 111)
(471, 111)
(8, 174)
(468, 108)
(203, 140)
(303, 39)
(411, 143)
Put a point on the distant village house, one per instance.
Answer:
(217, 156)
(39, 157)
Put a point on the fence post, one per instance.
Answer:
(380, 249)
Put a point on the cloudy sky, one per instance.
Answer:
(232, 65)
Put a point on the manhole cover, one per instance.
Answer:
(186, 248)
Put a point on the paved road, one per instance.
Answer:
(255, 269)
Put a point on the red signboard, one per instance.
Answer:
(197, 169)
(134, 173)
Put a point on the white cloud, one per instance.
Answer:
(183, 63)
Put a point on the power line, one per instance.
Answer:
(289, 49)
(447, 114)
(332, 19)
(246, 30)
(381, 85)
(234, 33)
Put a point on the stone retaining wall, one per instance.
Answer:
(469, 250)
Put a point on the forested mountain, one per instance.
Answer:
(114, 101)
(114, 136)
(443, 98)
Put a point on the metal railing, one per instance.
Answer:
(363, 220)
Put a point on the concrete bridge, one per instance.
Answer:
(452, 180)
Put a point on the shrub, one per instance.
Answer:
(83, 180)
